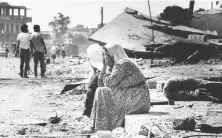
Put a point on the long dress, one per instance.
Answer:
(125, 92)
(93, 85)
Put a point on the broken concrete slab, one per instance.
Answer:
(163, 116)
(32, 122)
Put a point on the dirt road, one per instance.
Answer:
(27, 101)
(24, 102)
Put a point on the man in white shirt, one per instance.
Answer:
(24, 44)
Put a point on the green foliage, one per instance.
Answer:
(60, 25)
(176, 15)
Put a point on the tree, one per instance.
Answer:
(60, 25)
(176, 15)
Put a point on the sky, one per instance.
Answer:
(87, 12)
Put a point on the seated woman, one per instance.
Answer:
(190, 89)
(124, 91)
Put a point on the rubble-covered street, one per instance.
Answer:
(176, 47)
(27, 102)
(27, 105)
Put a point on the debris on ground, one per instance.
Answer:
(184, 123)
(55, 120)
(31, 100)
(146, 132)
(22, 131)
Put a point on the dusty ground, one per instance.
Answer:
(24, 102)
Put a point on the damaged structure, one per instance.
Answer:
(11, 19)
(133, 30)
(209, 20)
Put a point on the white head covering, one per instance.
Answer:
(116, 51)
(94, 53)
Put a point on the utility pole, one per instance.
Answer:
(101, 25)
(152, 40)
(212, 5)
(191, 7)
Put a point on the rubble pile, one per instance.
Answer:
(189, 51)
(67, 68)
(156, 128)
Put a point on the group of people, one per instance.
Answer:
(55, 51)
(28, 44)
(118, 87)
(6, 46)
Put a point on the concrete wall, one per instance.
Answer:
(10, 30)
(208, 22)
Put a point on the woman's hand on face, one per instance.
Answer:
(100, 79)
(104, 64)
(109, 69)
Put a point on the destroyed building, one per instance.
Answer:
(141, 36)
(11, 19)
(209, 20)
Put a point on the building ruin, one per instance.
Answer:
(11, 19)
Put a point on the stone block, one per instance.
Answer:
(152, 84)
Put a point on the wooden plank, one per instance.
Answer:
(63, 136)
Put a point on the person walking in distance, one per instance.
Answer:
(57, 50)
(63, 51)
(40, 49)
(6, 50)
(14, 47)
(24, 43)
(53, 53)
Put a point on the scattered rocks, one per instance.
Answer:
(4, 135)
(54, 120)
(104, 134)
(119, 132)
(184, 123)
(146, 132)
(63, 129)
(22, 131)
(78, 91)
(69, 71)
(58, 72)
